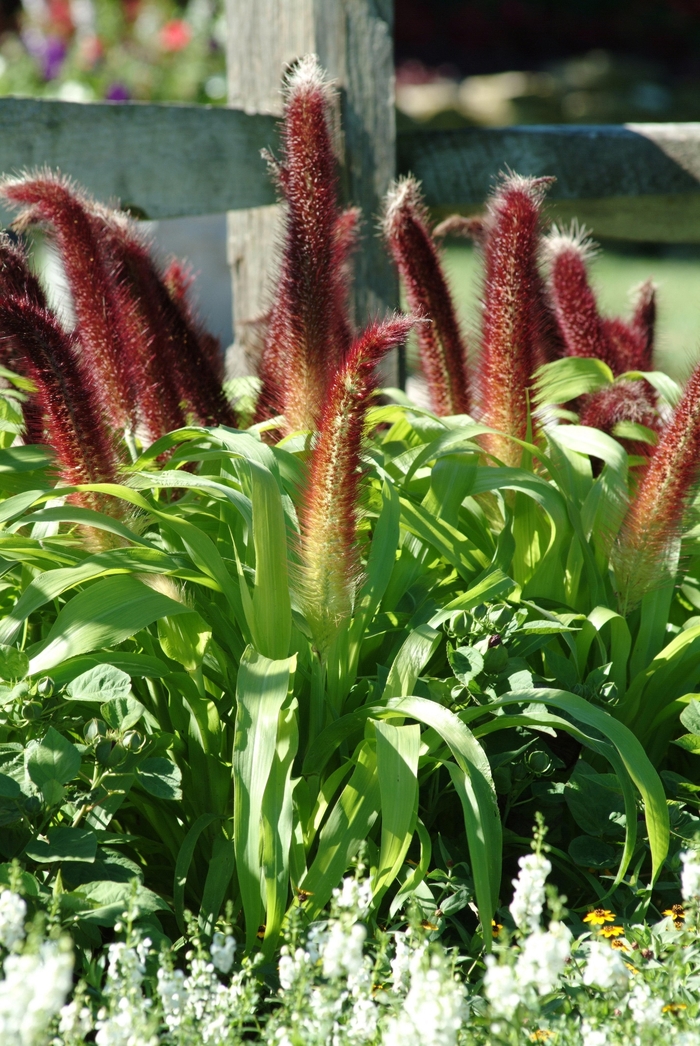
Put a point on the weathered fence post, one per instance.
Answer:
(354, 42)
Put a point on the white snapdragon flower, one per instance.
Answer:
(543, 958)
(173, 996)
(362, 1025)
(75, 1021)
(315, 940)
(592, 1036)
(401, 963)
(342, 952)
(502, 988)
(32, 993)
(528, 897)
(126, 1019)
(605, 968)
(690, 876)
(291, 967)
(353, 895)
(128, 1024)
(222, 952)
(13, 912)
(435, 1007)
(645, 1009)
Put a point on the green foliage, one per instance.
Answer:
(164, 704)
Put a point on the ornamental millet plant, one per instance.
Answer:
(513, 312)
(151, 369)
(146, 366)
(308, 333)
(622, 345)
(174, 360)
(442, 347)
(646, 551)
(330, 559)
(49, 200)
(66, 411)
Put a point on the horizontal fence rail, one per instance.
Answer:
(164, 161)
(639, 181)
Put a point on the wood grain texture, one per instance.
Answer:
(353, 39)
(165, 160)
(459, 167)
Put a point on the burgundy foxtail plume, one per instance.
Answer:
(16, 278)
(330, 561)
(625, 400)
(52, 200)
(169, 358)
(18, 281)
(573, 300)
(646, 550)
(308, 334)
(443, 351)
(622, 345)
(179, 280)
(644, 323)
(151, 373)
(512, 311)
(84, 450)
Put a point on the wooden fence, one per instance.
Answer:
(638, 181)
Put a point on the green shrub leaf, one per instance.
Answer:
(14, 663)
(53, 759)
(102, 683)
(160, 777)
(64, 844)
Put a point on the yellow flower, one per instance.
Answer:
(496, 927)
(674, 1007)
(676, 913)
(599, 916)
(541, 1035)
(611, 931)
(620, 945)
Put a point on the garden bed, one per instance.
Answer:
(289, 672)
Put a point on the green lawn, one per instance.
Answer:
(614, 273)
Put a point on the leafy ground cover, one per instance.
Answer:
(253, 639)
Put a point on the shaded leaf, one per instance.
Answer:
(54, 758)
(64, 844)
(160, 777)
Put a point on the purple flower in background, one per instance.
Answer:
(52, 58)
(49, 51)
(117, 92)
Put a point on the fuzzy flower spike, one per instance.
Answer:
(330, 564)
(65, 394)
(52, 200)
(568, 253)
(512, 313)
(646, 551)
(17, 281)
(623, 346)
(442, 348)
(308, 333)
(172, 358)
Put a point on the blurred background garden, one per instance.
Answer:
(458, 62)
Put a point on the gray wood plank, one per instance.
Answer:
(641, 181)
(353, 40)
(165, 160)
(459, 167)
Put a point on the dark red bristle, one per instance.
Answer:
(308, 331)
(442, 347)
